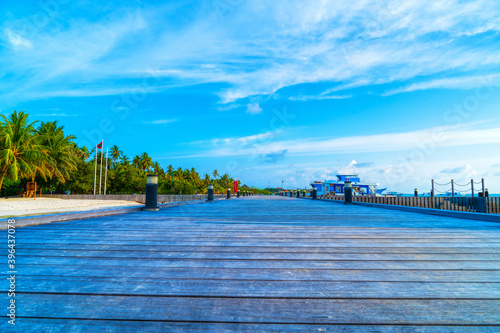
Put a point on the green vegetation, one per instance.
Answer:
(41, 152)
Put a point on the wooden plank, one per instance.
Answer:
(259, 249)
(258, 264)
(429, 275)
(255, 289)
(79, 325)
(318, 311)
(202, 254)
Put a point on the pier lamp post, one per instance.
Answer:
(151, 194)
(315, 193)
(348, 193)
(228, 196)
(210, 193)
(416, 192)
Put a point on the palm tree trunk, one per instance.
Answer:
(4, 173)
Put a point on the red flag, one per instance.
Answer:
(235, 186)
(99, 146)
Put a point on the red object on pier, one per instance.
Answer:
(236, 186)
(99, 145)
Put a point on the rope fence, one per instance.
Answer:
(462, 188)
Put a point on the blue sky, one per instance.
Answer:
(399, 92)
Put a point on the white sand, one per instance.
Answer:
(23, 206)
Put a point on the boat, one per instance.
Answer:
(337, 186)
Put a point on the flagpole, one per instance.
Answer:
(95, 172)
(106, 172)
(100, 175)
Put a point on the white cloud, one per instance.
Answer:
(304, 98)
(160, 122)
(253, 108)
(465, 83)
(56, 115)
(432, 138)
(17, 41)
(271, 45)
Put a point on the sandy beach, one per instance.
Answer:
(22, 206)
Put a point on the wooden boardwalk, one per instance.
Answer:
(259, 264)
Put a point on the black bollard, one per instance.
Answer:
(315, 194)
(151, 194)
(416, 192)
(348, 193)
(298, 194)
(486, 193)
(228, 196)
(238, 194)
(210, 193)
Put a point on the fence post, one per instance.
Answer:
(452, 188)
(472, 187)
(432, 190)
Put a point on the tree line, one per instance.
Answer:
(43, 153)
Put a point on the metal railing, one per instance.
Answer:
(490, 205)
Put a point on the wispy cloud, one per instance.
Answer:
(414, 44)
(160, 121)
(463, 83)
(275, 157)
(304, 98)
(17, 41)
(438, 137)
(254, 108)
(456, 170)
(56, 115)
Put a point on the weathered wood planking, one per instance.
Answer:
(291, 310)
(260, 264)
(301, 274)
(109, 254)
(79, 325)
(257, 288)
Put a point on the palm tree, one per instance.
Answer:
(20, 152)
(179, 173)
(84, 153)
(157, 168)
(136, 162)
(215, 174)
(124, 160)
(207, 179)
(146, 162)
(115, 153)
(59, 149)
(194, 175)
(225, 180)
